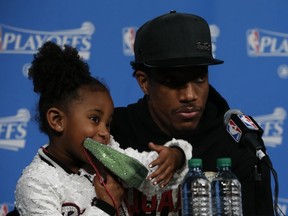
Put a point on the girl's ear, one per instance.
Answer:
(143, 81)
(55, 119)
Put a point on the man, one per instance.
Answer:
(172, 55)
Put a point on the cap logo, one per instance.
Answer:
(203, 46)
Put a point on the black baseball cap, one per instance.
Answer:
(174, 40)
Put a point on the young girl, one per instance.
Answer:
(73, 105)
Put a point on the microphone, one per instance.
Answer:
(246, 131)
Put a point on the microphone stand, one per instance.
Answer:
(261, 156)
(276, 187)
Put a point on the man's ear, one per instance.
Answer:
(55, 119)
(143, 81)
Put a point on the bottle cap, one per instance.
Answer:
(195, 162)
(224, 162)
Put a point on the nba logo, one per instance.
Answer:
(248, 122)
(234, 130)
(253, 43)
(128, 37)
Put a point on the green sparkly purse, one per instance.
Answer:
(128, 169)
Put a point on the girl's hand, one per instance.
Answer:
(113, 186)
(170, 159)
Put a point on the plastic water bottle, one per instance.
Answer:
(226, 191)
(196, 191)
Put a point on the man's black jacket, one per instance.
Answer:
(132, 126)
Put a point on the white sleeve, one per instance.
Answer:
(39, 195)
(35, 198)
(147, 157)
